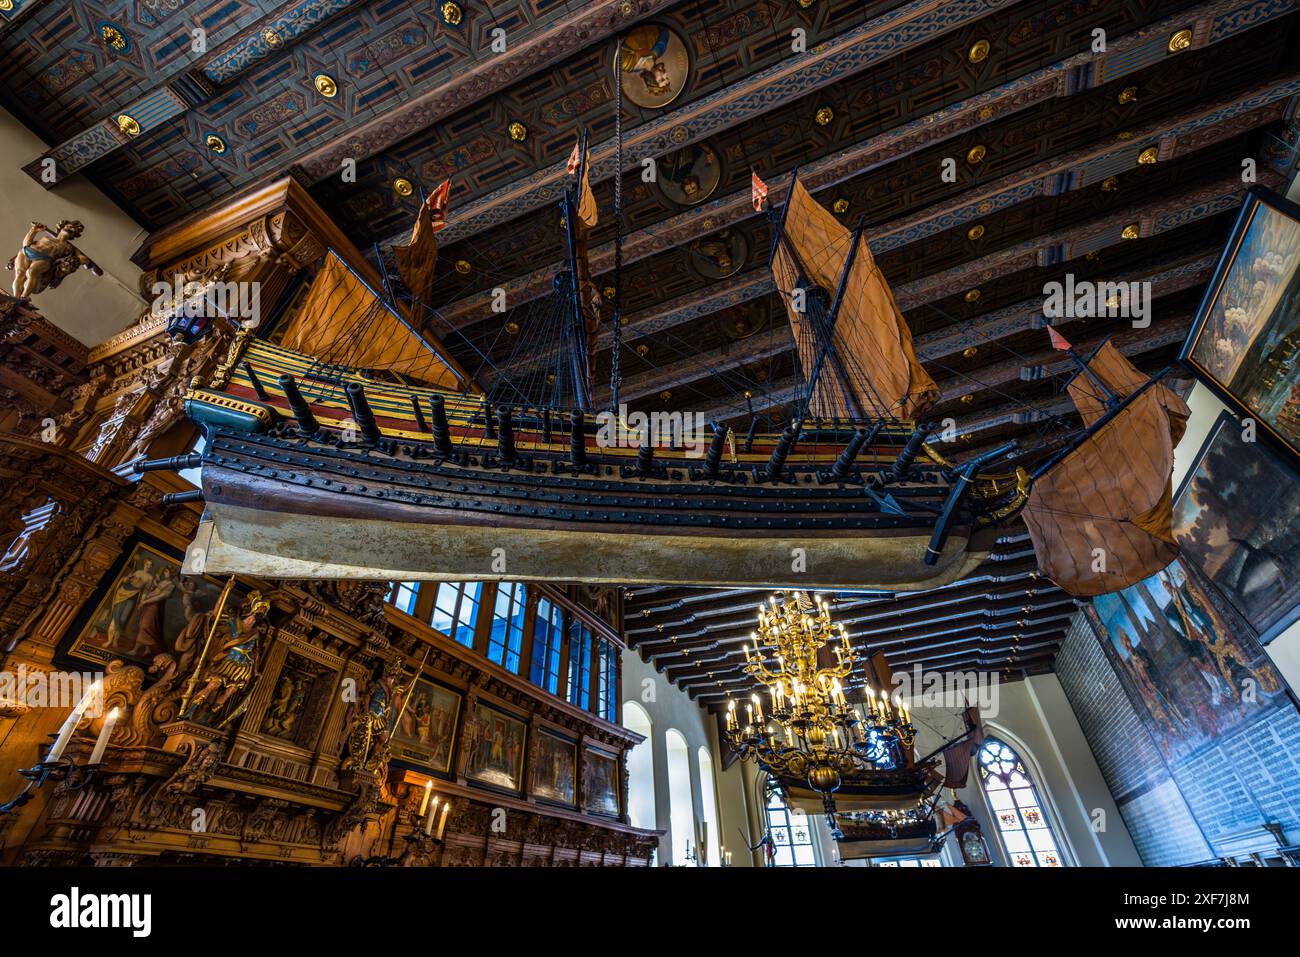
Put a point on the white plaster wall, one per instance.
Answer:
(91, 308)
(670, 707)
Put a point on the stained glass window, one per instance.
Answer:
(790, 833)
(507, 635)
(1022, 822)
(455, 610)
(402, 596)
(548, 629)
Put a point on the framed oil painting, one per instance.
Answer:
(495, 743)
(147, 606)
(1237, 522)
(425, 735)
(555, 769)
(655, 65)
(600, 776)
(1188, 662)
(689, 176)
(1245, 340)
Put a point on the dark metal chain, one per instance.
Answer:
(614, 373)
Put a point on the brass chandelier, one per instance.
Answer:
(810, 731)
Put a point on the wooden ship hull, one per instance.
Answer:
(377, 483)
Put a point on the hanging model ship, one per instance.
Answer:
(350, 449)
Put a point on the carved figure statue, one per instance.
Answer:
(233, 665)
(370, 719)
(48, 257)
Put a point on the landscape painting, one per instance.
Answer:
(1245, 339)
(1237, 521)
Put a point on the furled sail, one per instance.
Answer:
(343, 321)
(878, 371)
(1101, 517)
(416, 260)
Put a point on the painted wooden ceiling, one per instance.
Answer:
(1062, 152)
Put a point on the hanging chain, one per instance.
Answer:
(614, 372)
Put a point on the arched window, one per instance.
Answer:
(712, 839)
(1022, 822)
(681, 806)
(789, 832)
(640, 768)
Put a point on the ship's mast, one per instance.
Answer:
(823, 327)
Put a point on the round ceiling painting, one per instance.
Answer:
(655, 65)
(689, 175)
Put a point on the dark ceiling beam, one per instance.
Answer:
(888, 36)
(984, 333)
(1220, 119)
(531, 46)
(1000, 614)
(992, 621)
(737, 622)
(973, 657)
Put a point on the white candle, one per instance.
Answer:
(105, 732)
(70, 725)
(424, 802)
(442, 821)
(428, 818)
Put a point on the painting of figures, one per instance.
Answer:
(600, 774)
(555, 770)
(1237, 521)
(426, 731)
(1191, 667)
(146, 608)
(495, 743)
(655, 65)
(1245, 340)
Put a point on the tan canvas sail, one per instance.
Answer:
(886, 378)
(416, 260)
(1101, 518)
(343, 321)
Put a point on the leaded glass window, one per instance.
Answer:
(507, 635)
(455, 610)
(1022, 822)
(790, 833)
(402, 595)
(548, 630)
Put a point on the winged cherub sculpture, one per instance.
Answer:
(48, 257)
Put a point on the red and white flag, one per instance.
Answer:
(575, 158)
(437, 203)
(1058, 340)
(757, 191)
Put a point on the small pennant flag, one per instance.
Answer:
(757, 191)
(1058, 340)
(437, 203)
(575, 158)
(587, 212)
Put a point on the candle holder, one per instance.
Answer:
(75, 777)
(419, 843)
